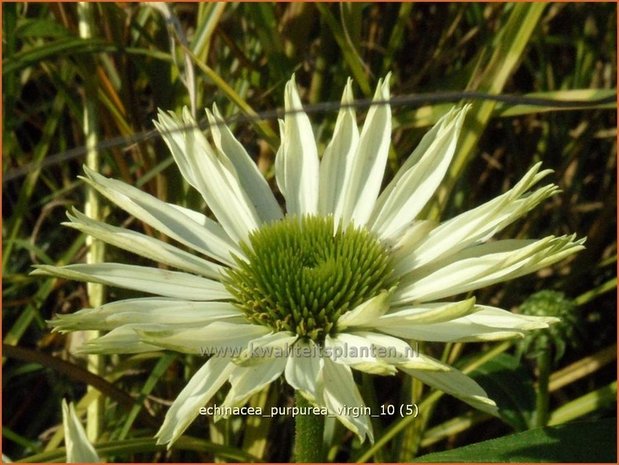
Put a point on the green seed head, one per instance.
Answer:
(559, 335)
(300, 275)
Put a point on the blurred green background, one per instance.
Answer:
(141, 57)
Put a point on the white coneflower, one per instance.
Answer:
(343, 278)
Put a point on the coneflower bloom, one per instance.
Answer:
(343, 277)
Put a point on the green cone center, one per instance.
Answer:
(300, 275)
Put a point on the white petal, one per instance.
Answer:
(336, 163)
(367, 312)
(79, 448)
(405, 246)
(387, 347)
(220, 339)
(122, 340)
(365, 177)
(303, 369)
(457, 384)
(265, 348)
(415, 183)
(146, 246)
(197, 217)
(206, 237)
(451, 331)
(216, 179)
(481, 223)
(485, 324)
(198, 391)
(483, 265)
(166, 283)
(499, 318)
(178, 313)
(296, 162)
(257, 188)
(246, 381)
(357, 352)
(426, 313)
(340, 393)
(398, 352)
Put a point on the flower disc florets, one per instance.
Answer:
(300, 275)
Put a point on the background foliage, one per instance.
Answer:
(239, 55)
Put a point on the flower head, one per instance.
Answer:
(344, 277)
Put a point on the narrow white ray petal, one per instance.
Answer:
(445, 278)
(387, 348)
(198, 391)
(296, 163)
(265, 348)
(368, 165)
(215, 178)
(481, 223)
(341, 393)
(457, 384)
(79, 449)
(336, 163)
(404, 198)
(485, 324)
(396, 351)
(499, 318)
(221, 338)
(198, 217)
(405, 246)
(254, 183)
(165, 283)
(453, 332)
(366, 313)
(303, 369)
(427, 313)
(122, 340)
(145, 310)
(483, 265)
(146, 246)
(246, 381)
(208, 237)
(561, 247)
(357, 352)
(554, 251)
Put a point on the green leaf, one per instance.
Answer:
(594, 441)
(511, 387)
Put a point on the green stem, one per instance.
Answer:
(308, 445)
(542, 396)
(96, 251)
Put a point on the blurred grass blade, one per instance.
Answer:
(261, 125)
(158, 371)
(428, 115)
(581, 368)
(350, 56)
(506, 53)
(92, 209)
(79, 375)
(142, 445)
(14, 223)
(603, 398)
